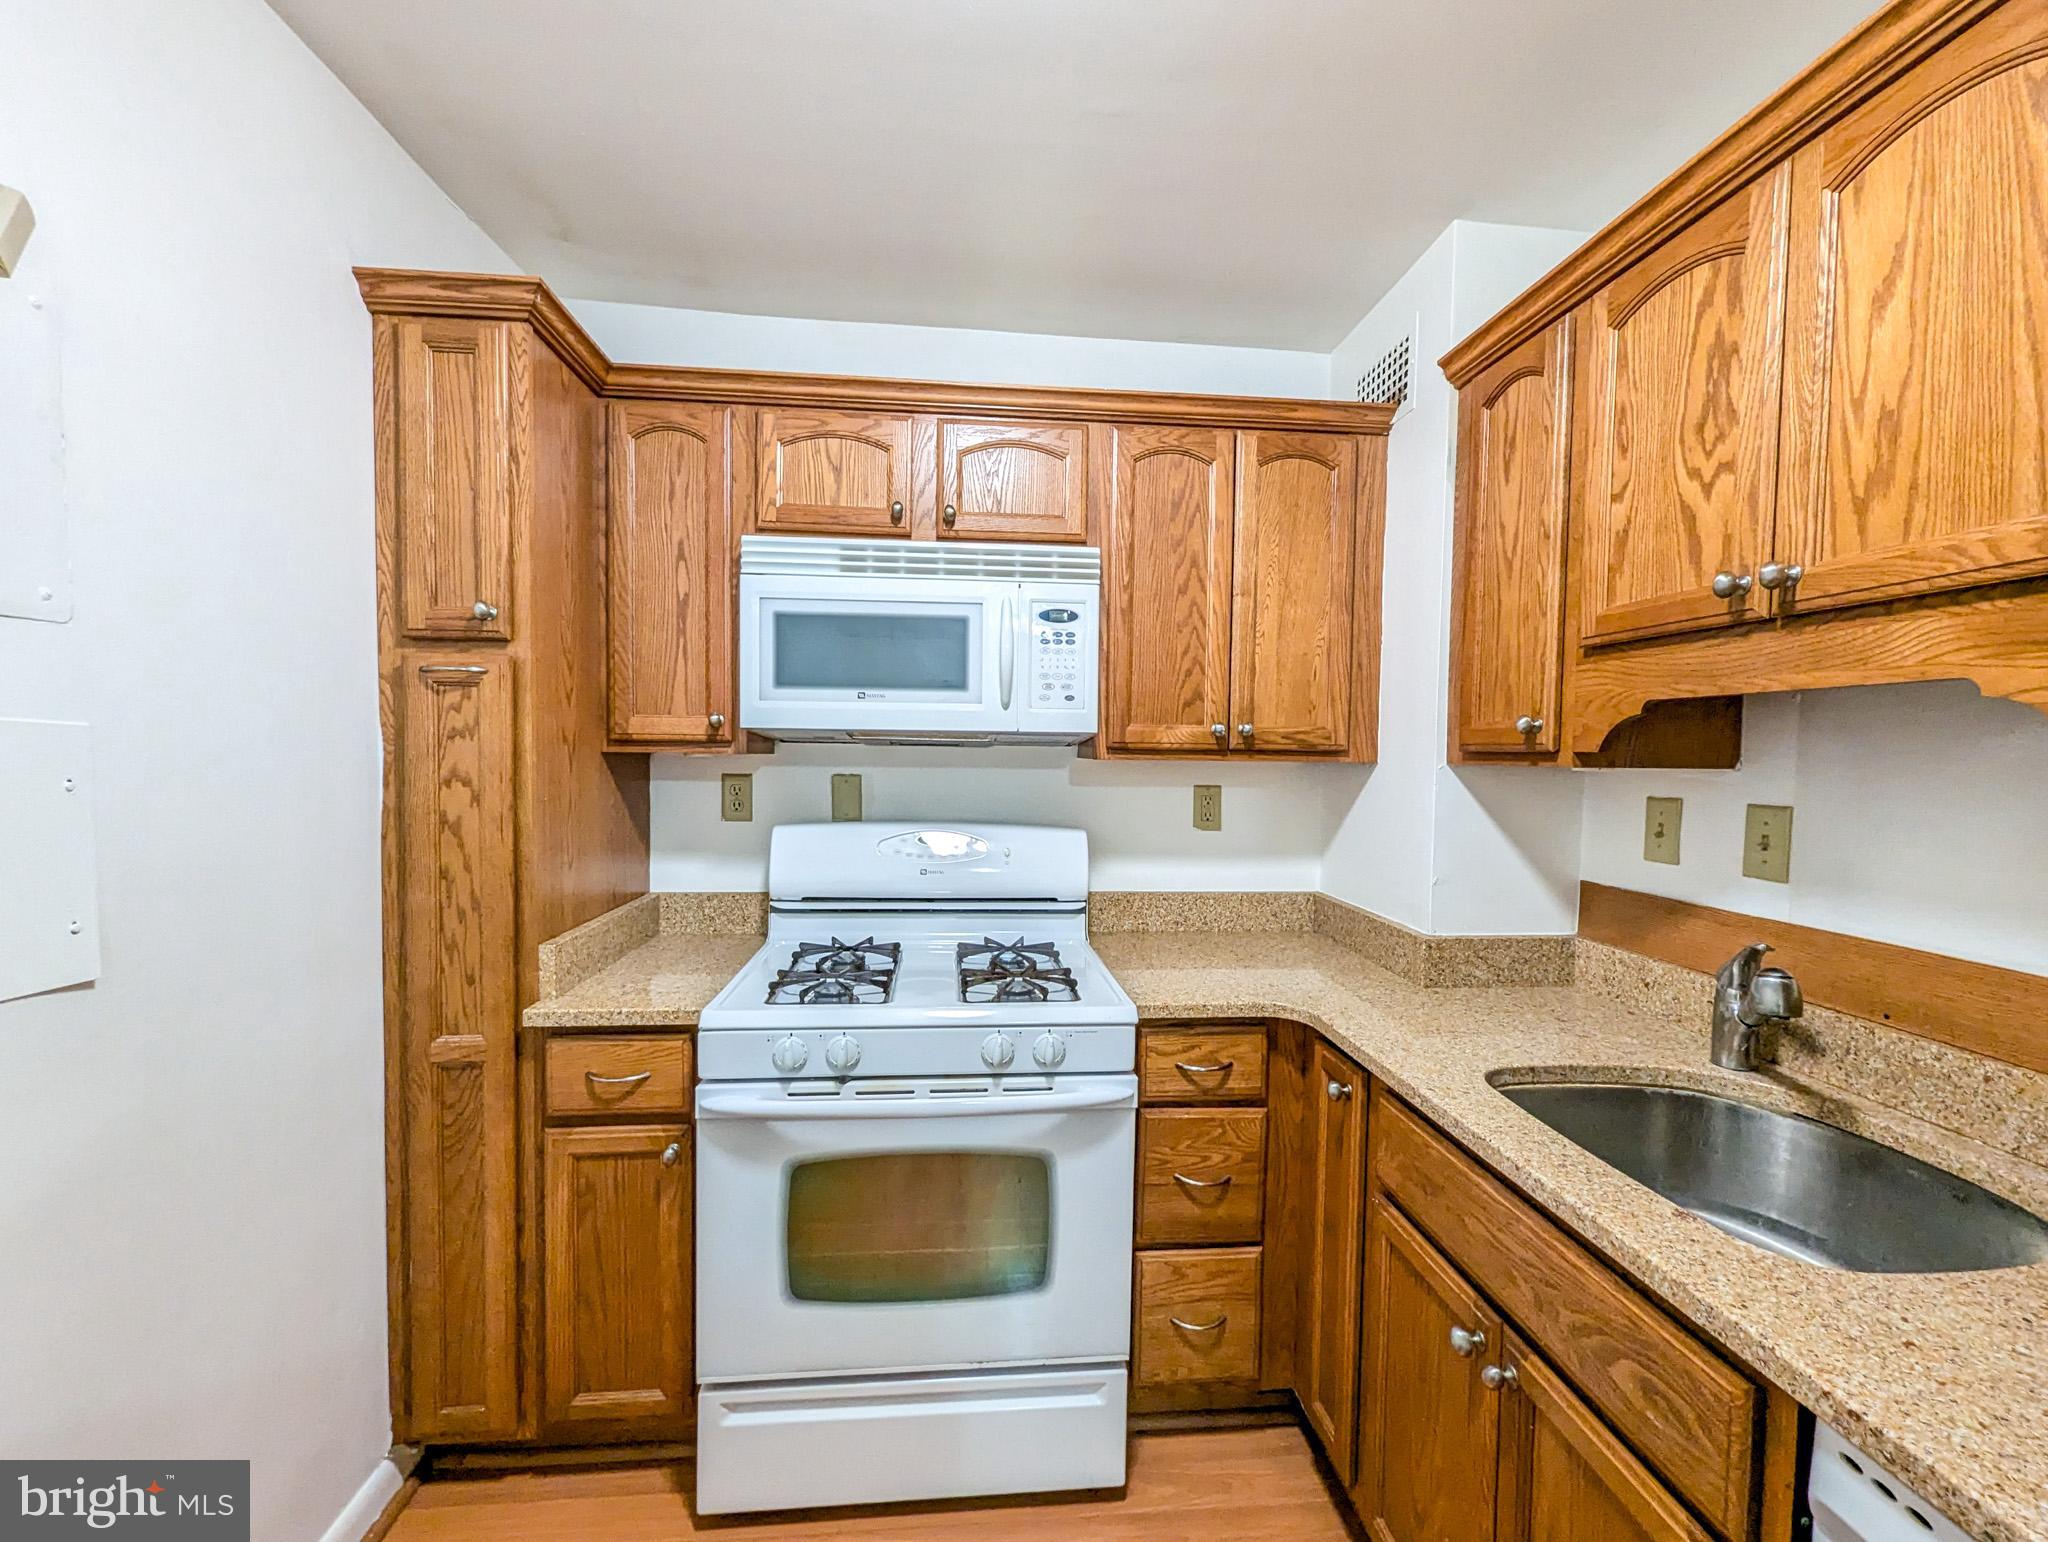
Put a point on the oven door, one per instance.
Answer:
(834, 656)
(912, 1226)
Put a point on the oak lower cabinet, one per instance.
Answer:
(1330, 1254)
(616, 1294)
(1241, 587)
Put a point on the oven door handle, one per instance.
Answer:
(734, 1103)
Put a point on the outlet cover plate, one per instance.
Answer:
(1767, 842)
(846, 795)
(1208, 806)
(1661, 820)
(736, 795)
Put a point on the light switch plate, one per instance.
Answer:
(1208, 806)
(846, 795)
(1661, 818)
(736, 795)
(1767, 843)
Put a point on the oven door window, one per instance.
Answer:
(872, 650)
(919, 1226)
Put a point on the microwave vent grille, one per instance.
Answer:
(991, 561)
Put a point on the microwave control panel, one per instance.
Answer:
(1062, 655)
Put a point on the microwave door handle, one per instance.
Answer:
(1006, 654)
(731, 1103)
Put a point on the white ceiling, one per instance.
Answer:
(1226, 171)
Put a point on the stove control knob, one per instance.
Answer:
(843, 1053)
(997, 1052)
(1050, 1050)
(791, 1054)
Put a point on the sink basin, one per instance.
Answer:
(1790, 1184)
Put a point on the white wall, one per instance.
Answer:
(1443, 850)
(653, 334)
(1139, 817)
(1919, 818)
(192, 1217)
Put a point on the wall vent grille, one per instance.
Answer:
(1391, 377)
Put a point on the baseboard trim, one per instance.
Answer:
(369, 1515)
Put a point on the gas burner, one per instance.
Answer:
(1013, 971)
(837, 974)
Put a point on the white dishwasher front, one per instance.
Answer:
(1855, 1500)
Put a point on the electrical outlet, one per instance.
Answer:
(1661, 818)
(1767, 843)
(736, 795)
(1208, 806)
(846, 795)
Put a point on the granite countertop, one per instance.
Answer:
(1942, 1377)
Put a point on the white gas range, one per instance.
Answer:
(916, 1136)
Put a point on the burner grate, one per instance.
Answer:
(1013, 971)
(837, 973)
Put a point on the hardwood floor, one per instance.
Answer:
(1191, 1487)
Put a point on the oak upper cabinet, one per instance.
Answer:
(1166, 588)
(669, 553)
(830, 472)
(616, 1280)
(1507, 643)
(1012, 481)
(1680, 364)
(1326, 1360)
(1292, 591)
(1429, 1467)
(453, 447)
(1564, 1476)
(456, 1019)
(1917, 339)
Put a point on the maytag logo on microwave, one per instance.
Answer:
(143, 1501)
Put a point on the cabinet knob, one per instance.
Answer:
(717, 721)
(672, 1153)
(951, 516)
(1728, 585)
(1219, 730)
(1244, 730)
(1780, 575)
(1339, 1091)
(1528, 725)
(484, 610)
(1494, 1377)
(1465, 1342)
(896, 512)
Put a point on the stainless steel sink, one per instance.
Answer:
(1790, 1184)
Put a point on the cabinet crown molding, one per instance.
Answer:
(499, 297)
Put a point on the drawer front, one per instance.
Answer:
(1198, 1318)
(1201, 1175)
(642, 1074)
(1202, 1065)
(1677, 1402)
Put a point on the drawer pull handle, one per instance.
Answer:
(1465, 1343)
(1199, 1327)
(616, 1081)
(1204, 1183)
(1218, 1069)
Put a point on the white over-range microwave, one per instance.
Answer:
(918, 642)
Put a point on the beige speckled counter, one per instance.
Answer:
(1942, 1377)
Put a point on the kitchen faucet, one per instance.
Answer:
(1748, 999)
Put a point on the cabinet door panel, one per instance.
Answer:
(670, 572)
(833, 473)
(1508, 642)
(1166, 663)
(1564, 1477)
(1291, 634)
(1333, 1253)
(1013, 481)
(1682, 364)
(1430, 1463)
(617, 1280)
(455, 478)
(1917, 345)
(459, 1182)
